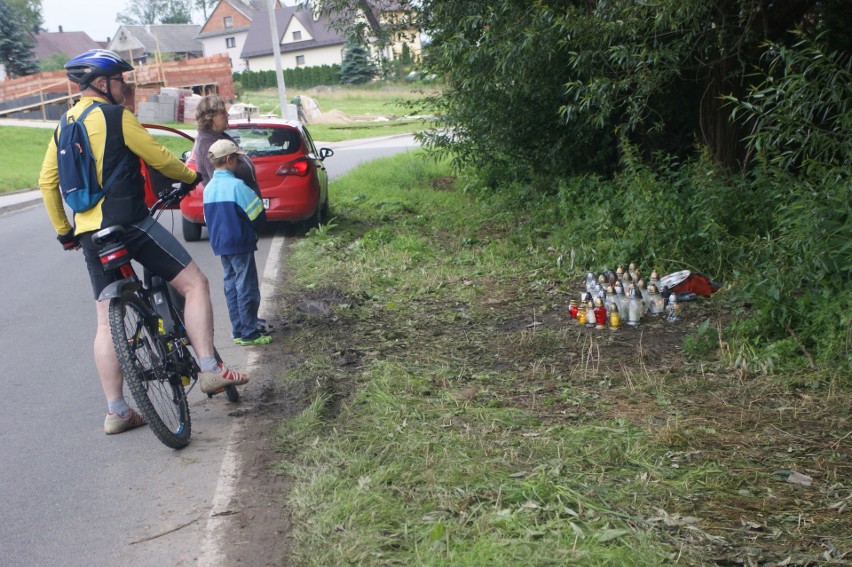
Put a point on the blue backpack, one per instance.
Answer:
(78, 174)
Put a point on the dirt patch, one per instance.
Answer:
(442, 183)
(258, 517)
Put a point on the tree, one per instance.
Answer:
(362, 19)
(556, 85)
(505, 67)
(29, 12)
(356, 68)
(800, 114)
(203, 5)
(147, 12)
(16, 44)
(55, 62)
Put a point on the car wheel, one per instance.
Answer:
(313, 221)
(191, 230)
(323, 217)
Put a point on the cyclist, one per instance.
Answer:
(118, 140)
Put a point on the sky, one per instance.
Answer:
(95, 17)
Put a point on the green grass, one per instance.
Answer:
(23, 152)
(21, 157)
(362, 102)
(446, 430)
(425, 465)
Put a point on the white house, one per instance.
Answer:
(305, 40)
(240, 28)
(226, 29)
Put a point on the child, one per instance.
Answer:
(234, 213)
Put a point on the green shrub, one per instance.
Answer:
(300, 77)
(701, 343)
(780, 242)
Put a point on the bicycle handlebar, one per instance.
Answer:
(166, 199)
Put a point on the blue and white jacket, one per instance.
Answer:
(233, 213)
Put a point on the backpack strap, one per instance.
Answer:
(64, 120)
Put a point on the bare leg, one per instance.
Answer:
(106, 360)
(192, 284)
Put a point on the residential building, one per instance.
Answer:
(305, 40)
(226, 29)
(62, 42)
(143, 45)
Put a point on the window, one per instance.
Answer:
(300, 59)
(267, 141)
(230, 42)
(312, 149)
(297, 35)
(229, 21)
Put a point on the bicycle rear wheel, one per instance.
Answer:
(158, 393)
(232, 394)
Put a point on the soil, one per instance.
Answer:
(754, 430)
(257, 513)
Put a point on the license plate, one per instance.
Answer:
(265, 203)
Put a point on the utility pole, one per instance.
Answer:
(276, 54)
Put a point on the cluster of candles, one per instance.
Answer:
(621, 295)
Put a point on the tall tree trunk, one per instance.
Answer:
(723, 136)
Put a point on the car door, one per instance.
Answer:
(322, 173)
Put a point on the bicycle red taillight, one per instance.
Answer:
(114, 257)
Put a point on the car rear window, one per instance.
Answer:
(267, 141)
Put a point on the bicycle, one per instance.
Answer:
(147, 327)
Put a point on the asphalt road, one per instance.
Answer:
(70, 495)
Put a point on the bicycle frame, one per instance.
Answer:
(165, 303)
(115, 256)
(148, 332)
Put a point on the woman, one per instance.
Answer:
(212, 119)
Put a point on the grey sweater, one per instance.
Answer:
(245, 168)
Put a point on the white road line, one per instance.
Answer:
(211, 553)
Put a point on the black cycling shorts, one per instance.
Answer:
(148, 243)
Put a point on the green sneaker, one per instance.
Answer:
(259, 340)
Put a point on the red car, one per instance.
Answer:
(290, 171)
(156, 182)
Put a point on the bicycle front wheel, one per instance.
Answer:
(158, 393)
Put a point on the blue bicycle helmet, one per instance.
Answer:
(95, 63)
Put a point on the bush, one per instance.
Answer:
(781, 242)
(300, 77)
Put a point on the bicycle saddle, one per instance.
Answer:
(108, 235)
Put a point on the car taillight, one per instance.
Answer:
(300, 167)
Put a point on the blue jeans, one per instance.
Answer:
(242, 292)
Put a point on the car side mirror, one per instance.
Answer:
(326, 152)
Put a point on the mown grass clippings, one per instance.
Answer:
(472, 423)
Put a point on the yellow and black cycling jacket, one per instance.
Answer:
(117, 140)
